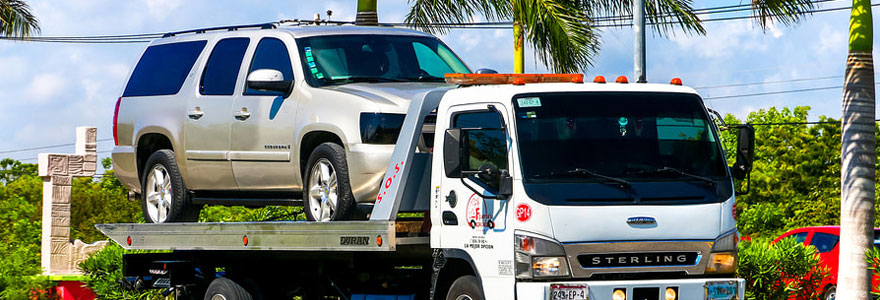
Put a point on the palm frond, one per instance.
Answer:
(786, 12)
(426, 14)
(559, 32)
(665, 15)
(16, 19)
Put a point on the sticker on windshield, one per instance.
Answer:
(308, 50)
(312, 64)
(528, 115)
(529, 102)
(319, 75)
(314, 70)
(309, 57)
(622, 121)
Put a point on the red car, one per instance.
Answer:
(825, 239)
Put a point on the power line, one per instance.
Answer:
(766, 82)
(46, 147)
(777, 92)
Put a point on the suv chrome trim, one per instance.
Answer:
(573, 250)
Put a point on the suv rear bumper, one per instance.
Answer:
(688, 289)
(125, 167)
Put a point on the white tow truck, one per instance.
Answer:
(542, 187)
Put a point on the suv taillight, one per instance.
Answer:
(115, 118)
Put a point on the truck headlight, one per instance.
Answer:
(539, 258)
(722, 259)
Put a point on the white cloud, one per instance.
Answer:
(11, 67)
(44, 87)
(162, 8)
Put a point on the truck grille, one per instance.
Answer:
(638, 259)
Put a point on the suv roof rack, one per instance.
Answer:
(270, 25)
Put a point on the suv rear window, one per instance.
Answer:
(163, 69)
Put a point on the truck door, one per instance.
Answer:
(262, 124)
(471, 222)
(206, 130)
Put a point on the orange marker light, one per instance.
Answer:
(244, 240)
(676, 81)
(599, 79)
(519, 81)
(379, 240)
(622, 79)
(128, 240)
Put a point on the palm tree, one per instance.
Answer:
(561, 31)
(16, 19)
(366, 13)
(857, 158)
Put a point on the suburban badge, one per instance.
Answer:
(641, 220)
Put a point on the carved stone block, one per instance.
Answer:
(61, 221)
(89, 168)
(90, 157)
(62, 180)
(61, 231)
(61, 194)
(60, 211)
(57, 164)
(75, 165)
(60, 247)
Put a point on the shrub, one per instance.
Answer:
(103, 270)
(781, 270)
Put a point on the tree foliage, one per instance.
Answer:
(16, 19)
(780, 271)
(796, 177)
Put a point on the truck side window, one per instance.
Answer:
(223, 66)
(487, 146)
(270, 54)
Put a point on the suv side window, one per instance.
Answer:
(824, 242)
(163, 69)
(487, 146)
(222, 68)
(270, 54)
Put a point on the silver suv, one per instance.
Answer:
(269, 116)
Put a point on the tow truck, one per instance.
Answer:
(511, 186)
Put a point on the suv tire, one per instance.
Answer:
(163, 195)
(327, 191)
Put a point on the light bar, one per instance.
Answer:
(518, 79)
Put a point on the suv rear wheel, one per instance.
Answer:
(327, 192)
(164, 197)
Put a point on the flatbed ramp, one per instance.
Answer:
(294, 235)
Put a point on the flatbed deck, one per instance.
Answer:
(292, 235)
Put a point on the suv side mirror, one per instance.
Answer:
(745, 151)
(269, 80)
(452, 152)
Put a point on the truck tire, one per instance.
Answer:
(225, 289)
(327, 190)
(163, 195)
(465, 288)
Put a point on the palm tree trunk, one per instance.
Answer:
(519, 58)
(366, 13)
(857, 158)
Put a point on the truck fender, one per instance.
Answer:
(449, 264)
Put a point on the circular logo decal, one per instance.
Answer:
(523, 212)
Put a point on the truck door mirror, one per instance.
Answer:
(452, 152)
(269, 80)
(745, 151)
(505, 187)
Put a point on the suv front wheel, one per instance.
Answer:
(164, 197)
(328, 194)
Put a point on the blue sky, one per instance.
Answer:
(48, 89)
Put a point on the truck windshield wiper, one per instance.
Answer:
(674, 171)
(425, 78)
(623, 184)
(364, 79)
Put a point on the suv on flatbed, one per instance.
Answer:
(270, 116)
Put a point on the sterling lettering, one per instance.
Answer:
(638, 259)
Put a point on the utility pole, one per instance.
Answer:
(639, 42)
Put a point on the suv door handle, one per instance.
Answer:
(195, 114)
(242, 115)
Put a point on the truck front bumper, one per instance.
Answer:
(688, 289)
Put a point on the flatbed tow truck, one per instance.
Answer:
(543, 187)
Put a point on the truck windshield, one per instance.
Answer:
(339, 59)
(630, 137)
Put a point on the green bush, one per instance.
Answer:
(781, 270)
(103, 270)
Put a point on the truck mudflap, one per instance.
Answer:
(684, 289)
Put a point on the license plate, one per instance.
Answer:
(568, 292)
(720, 290)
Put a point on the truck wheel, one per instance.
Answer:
(224, 289)
(465, 288)
(327, 190)
(164, 197)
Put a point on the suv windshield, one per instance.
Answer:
(625, 136)
(339, 59)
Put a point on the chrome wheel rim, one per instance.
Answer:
(464, 297)
(218, 297)
(159, 195)
(322, 191)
